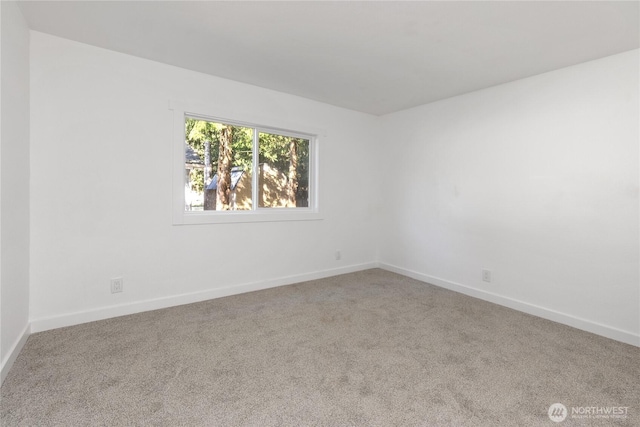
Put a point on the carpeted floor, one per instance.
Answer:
(365, 349)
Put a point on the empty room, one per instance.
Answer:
(308, 213)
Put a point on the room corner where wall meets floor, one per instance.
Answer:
(542, 312)
(15, 184)
(536, 180)
(71, 319)
(365, 348)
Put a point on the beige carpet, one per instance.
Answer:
(366, 349)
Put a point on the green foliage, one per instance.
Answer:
(274, 150)
(196, 178)
(199, 131)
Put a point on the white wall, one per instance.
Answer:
(101, 189)
(14, 188)
(536, 180)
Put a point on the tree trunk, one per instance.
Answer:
(209, 199)
(223, 195)
(292, 188)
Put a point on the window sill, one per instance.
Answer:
(230, 217)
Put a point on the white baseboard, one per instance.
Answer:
(7, 363)
(545, 313)
(70, 319)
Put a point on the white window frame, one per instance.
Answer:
(257, 214)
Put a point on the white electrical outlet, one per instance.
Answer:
(116, 285)
(338, 255)
(486, 276)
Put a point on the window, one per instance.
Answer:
(218, 166)
(237, 172)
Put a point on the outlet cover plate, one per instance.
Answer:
(116, 285)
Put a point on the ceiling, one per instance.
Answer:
(374, 57)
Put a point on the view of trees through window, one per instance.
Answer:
(219, 167)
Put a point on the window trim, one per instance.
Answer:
(257, 214)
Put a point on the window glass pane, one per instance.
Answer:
(218, 166)
(283, 176)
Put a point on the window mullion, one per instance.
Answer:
(254, 176)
